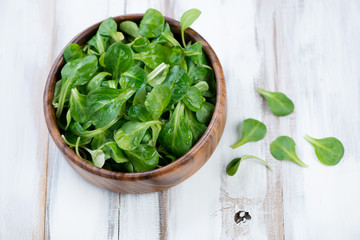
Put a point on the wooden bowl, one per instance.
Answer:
(158, 179)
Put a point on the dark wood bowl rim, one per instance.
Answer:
(50, 118)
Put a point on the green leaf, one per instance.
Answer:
(251, 131)
(329, 150)
(77, 129)
(233, 166)
(68, 119)
(177, 57)
(134, 78)
(155, 134)
(76, 72)
(152, 23)
(140, 95)
(72, 52)
(139, 113)
(158, 75)
(71, 139)
(140, 44)
(205, 113)
(187, 19)
(105, 104)
(97, 156)
(157, 100)
(167, 37)
(108, 28)
(96, 81)
(118, 59)
(143, 158)
(112, 149)
(202, 86)
(193, 99)
(196, 73)
(99, 43)
(197, 128)
(195, 52)
(153, 55)
(130, 135)
(283, 148)
(57, 94)
(130, 28)
(178, 81)
(176, 135)
(279, 103)
(78, 106)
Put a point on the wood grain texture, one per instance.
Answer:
(308, 49)
(23, 142)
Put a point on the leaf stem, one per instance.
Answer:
(262, 92)
(257, 158)
(183, 38)
(156, 71)
(238, 144)
(95, 132)
(310, 139)
(299, 162)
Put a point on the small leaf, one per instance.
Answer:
(118, 59)
(193, 99)
(72, 52)
(187, 19)
(279, 103)
(130, 28)
(167, 37)
(139, 44)
(152, 23)
(158, 75)
(329, 150)
(108, 28)
(105, 104)
(139, 113)
(96, 81)
(251, 131)
(78, 106)
(205, 113)
(153, 55)
(283, 148)
(144, 158)
(130, 135)
(202, 86)
(178, 81)
(233, 166)
(76, 72)
(134, 78)
(157, 100)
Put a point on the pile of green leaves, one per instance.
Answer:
(133, 98)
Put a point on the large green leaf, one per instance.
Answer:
(76, 72)
(130, 135)
(176, 135)
(105, 104)
(157, 100)
(152, 23)
(144, 158)
(118, 59)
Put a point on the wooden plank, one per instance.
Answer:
(75, 208)
(319, 61)
(24, 57)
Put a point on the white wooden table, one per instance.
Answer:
(309, 49)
